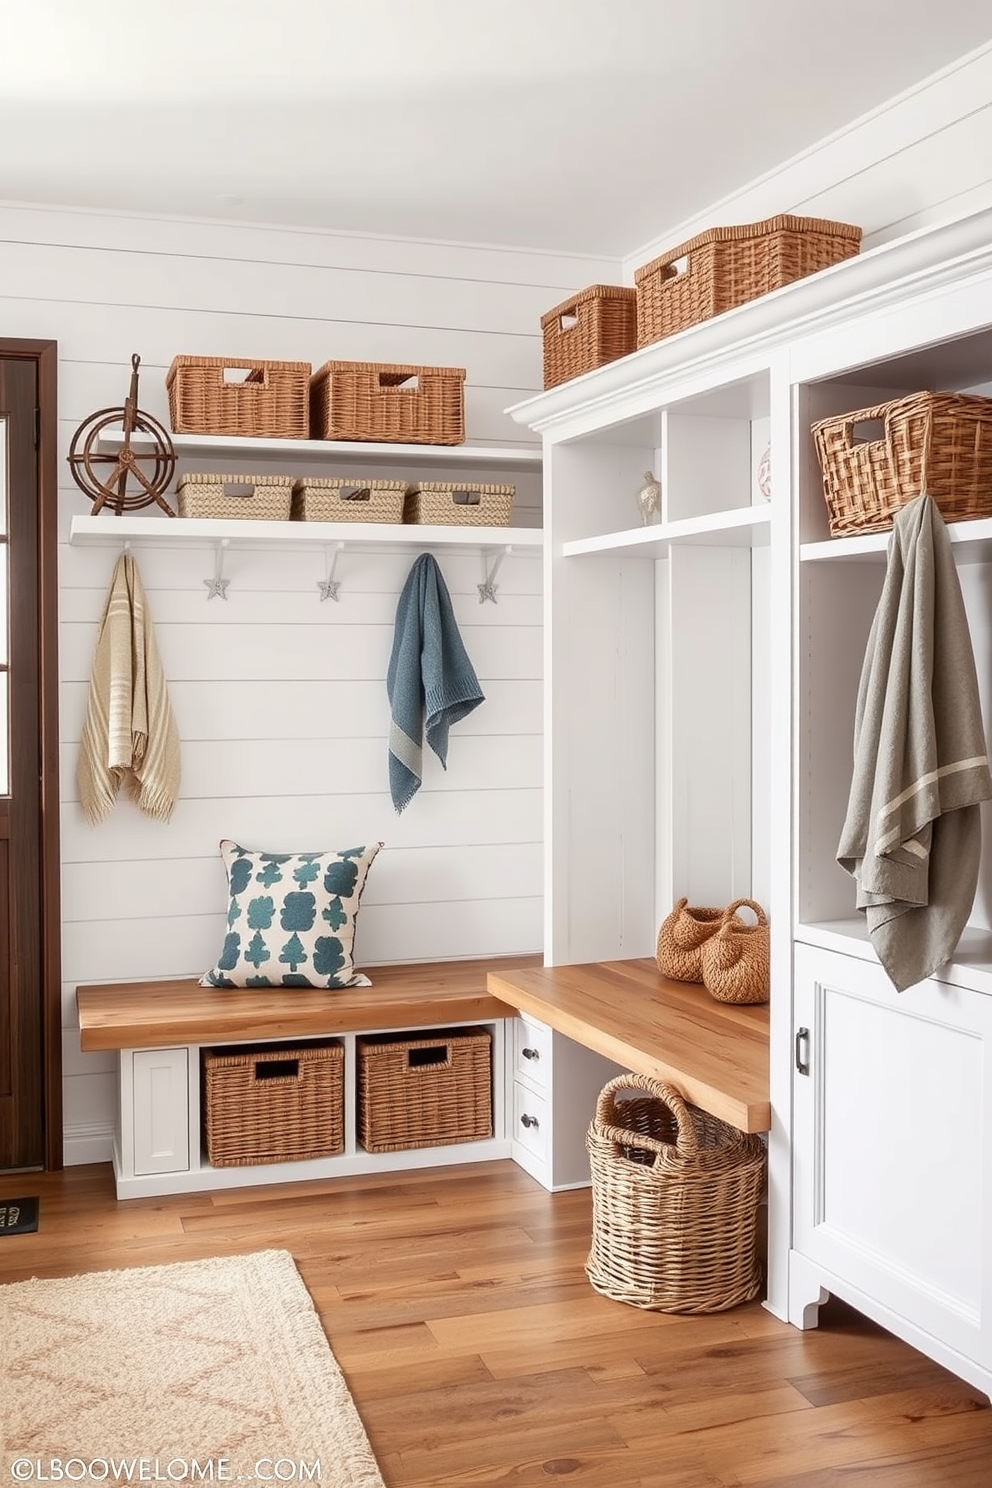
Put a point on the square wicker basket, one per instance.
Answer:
(256, 498)
(344, 499)
(219, 395)
(877, 459)
(594, 327)
(264, 1104)
(424, 1092)
(388, 403)
(727, 266)
(459, 504)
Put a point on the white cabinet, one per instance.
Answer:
(154, 1124)
(555, 1085)
(892, 1138)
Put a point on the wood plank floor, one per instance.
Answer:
(477, 1353)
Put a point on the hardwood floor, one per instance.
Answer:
(477, 1353)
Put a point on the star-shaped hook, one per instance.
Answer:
(487, 590)
(328, 588)
(216, 588)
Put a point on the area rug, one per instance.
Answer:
(202, 1372)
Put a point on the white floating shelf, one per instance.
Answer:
(111, 531)
(970, 966)
(335, 451)
(746, 526)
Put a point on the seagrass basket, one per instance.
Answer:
(727, 266)
(877, 459)
(424, 1092)
(256, 498)
(675, 1195)
(218, 395)
(265, 1104)
(594, 327)
(388, 403)
(339, 499)
(459, 504)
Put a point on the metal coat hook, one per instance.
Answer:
(329, 585)
(217, 586)
(487, 589)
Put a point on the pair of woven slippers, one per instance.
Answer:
(717, 947)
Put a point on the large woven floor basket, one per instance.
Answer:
(675, 1195)
(877, 459)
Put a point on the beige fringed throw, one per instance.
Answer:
(129, 733)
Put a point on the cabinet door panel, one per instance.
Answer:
(893, 1142)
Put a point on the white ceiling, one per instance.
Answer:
(582, 125)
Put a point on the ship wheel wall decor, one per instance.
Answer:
(127, 479)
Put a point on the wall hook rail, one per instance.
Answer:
(487, 589)
(217, 586)
(329, 585)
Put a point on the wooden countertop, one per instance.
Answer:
(716, 1054)
(156, 1014)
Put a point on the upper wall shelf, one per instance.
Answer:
(972, 543)
(111, 531)
(504, 457)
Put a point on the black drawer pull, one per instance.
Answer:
(526, 1120)
(531, 1053)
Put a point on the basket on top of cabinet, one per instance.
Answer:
(348, 499)
(256, 498)
(593, 327)
(255, 399)
(877, 459)
(727, 266)
(388, 403)
(459, 504)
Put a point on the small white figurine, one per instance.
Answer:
(649, 499)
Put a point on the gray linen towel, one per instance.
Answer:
(912, 837)
(429, 676)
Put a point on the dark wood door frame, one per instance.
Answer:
(45, 356)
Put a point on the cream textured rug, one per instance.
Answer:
(201, 1372)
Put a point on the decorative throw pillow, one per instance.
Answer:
(291, 919)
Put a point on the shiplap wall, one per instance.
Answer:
(279, 698)
(922, 158)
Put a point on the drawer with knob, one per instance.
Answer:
(532, 1053)
(531, 1121)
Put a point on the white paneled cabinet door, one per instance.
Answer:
(161, 1110)
(892, 1151)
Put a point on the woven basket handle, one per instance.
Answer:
(879, 415)
(686, 1144)
(255, 377)
(731, 910)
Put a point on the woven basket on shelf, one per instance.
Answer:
(256, 498)
(675, 1195)
(265, 1104)
(220, 395)
(877, 459)
(728, 266)
(459, 504)
(594, 327)
(388, 403)
(342, 499)
(424, 1092)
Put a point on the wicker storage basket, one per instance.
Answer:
(729, 265)
(675, 1195)
(391, 404)
(424, 1092)
(342, 499)
(459, 504)
(265, 1104)
(256, 498)
(592, 328)
(938, 444)
(270, 402)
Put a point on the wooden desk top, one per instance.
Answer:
(156, 1014)
(714, 1053)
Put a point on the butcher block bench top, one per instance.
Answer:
(714, 1053)
(158, 1014)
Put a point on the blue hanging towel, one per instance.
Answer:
(429, 676)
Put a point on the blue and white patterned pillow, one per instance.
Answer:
(291, 918)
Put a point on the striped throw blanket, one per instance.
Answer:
(912, 837)
(129, 733)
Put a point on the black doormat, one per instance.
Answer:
(18, 1216)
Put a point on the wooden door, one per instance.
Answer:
(30, 1063)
